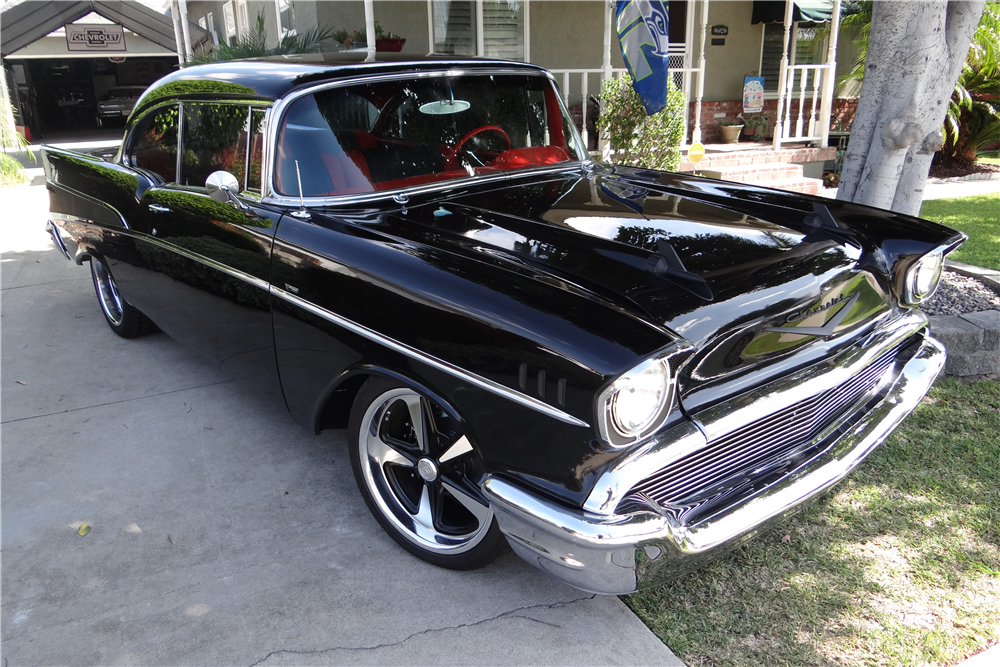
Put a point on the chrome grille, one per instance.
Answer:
(759, 448)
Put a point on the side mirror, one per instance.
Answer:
(223, 187)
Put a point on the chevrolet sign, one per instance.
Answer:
(91, 37)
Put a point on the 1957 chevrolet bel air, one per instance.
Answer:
(621, 373)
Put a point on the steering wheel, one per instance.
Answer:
(450, 156)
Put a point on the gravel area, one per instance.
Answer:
(957, 295)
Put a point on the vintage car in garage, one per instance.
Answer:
(620, 373)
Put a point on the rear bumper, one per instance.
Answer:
(617, 554)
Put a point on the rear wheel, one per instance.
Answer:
(124, 320)
(419, 476)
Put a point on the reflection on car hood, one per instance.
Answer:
(749, 290)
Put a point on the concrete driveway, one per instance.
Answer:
(221, 532)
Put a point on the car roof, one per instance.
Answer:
(274, 77)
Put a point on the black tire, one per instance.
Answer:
(421, 482)
(124, 319)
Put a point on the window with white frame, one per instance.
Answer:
(493, 28)
(286, 16)
(242, 17)
(806, 49)
(230, 17)
(210, 21)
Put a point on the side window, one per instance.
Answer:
(156, 148)
(215, 139)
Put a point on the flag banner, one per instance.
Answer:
(644, 38)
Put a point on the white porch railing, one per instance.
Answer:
(681, 77)
(802, 82)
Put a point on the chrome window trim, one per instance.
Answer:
(706, 426)
(439, 364)
(276, 112)
(125, 151)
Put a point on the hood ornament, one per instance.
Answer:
(826, 330)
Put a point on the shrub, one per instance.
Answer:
(650, 142)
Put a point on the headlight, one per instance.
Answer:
(637, 402)
(922, 278)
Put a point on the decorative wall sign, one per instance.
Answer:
(90, 37)
(720, 30)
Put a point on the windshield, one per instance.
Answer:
(395, 134)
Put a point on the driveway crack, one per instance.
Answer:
(512, 613)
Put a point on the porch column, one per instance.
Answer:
(175, 16)
(782, 77)
(370, 29)
(826, 105)
(696, 133)
(603, 147)
(188, 53)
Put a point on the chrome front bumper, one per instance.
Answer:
(619, 553)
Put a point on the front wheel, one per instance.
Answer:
(419, 475)
(124, 319)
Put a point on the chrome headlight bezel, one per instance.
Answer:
(922, 278)
(614, 432)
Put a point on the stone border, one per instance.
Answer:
(972, 341)
(980, 176)
(988, 277)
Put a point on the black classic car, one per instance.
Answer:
(620, 373)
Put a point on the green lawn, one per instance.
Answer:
(979, 217)
(899, 565)
(989, 157)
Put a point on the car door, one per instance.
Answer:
(207, 263)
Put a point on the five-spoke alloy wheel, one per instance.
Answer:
(419, 475)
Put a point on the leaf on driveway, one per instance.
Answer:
(20, 382)
(84, 529)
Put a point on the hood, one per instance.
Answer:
(754, 284)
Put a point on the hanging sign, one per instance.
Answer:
(91, 37)
(753, 94)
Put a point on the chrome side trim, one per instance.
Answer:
(98, 202)
(207, 261)
(439, 364)
(617, 554)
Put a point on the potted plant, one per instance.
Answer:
(755, 127)
(731, 130)
(358, 39)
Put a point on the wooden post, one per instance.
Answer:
(778, 125)
(370, 29)
(831, 74)
(696, 134)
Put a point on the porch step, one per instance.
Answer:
(728, 156)
(753, 173)
(781, 175)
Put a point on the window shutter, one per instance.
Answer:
(503, 29)
(770, 57)
(455, 27)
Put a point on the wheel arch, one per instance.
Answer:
(334, 407)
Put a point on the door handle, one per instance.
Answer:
(156, 208)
